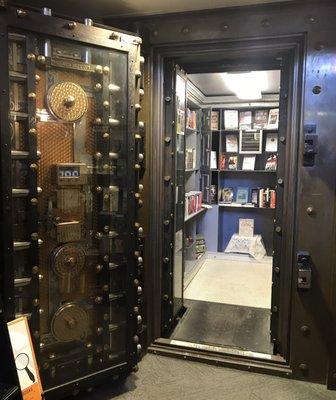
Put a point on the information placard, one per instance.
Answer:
(25, 361)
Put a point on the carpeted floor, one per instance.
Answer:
(162, 378)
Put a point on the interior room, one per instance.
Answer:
(231, 145)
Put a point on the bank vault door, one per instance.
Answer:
(74, 183)
(175, 94)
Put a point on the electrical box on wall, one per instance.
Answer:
(71, 151)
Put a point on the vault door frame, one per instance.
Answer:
(291, 48)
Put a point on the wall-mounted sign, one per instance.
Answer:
(25, 360)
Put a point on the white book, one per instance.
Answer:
(231, 143)
(271, 142)
(249, 163)
(231, 119)
(213, 160)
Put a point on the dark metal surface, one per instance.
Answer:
(217, 324)
(33, 25)
(274, 28)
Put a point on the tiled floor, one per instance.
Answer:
(233, 281)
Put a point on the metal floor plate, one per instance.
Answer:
(245, 328)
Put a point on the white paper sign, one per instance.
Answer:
(246, 227)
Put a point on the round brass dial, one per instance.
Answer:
(67, 101)
(68, 260)
(70, 322)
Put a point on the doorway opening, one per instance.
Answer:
(226, 201)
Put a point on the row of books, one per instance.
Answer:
(234, 119)
(258, 197)
(230, 163)
(193, 202)
(191, 119)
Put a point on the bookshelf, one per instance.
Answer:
(192, 219)
(223, 149)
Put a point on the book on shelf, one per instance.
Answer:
(213, 160)
(271, 163)
(227, 195)
(192, 119)
(193, 202)
(190, 159)
(231, 163)
(273, 119)
(263, 197)
(213, 194)
(221, 162)
(248, 163)
(255, 197)
(200, 247)
(180, 123)
(231, 142)
(214, 120)
(260, 119)
(230, 120)
(245, 120)
(271, 142)
(242, 195)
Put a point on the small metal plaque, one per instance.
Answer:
(69, 231)
(69, 200)
(111, 200)
(71, 64)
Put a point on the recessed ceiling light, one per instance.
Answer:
(246, 85)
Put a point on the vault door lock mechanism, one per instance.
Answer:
(304, 270)
(310, 146)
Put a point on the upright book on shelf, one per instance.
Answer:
(271, 142)
(273, 119)
(230, 120)
(245, 120)
(213, 160)
(260, 119)
(214, 120)
(231, 142)
(231, 163)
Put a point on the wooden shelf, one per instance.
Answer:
(258, 171)
(192, 130)
(230, 205)
(191, 170)
(191, 216)
(238, 130)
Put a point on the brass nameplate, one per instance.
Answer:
(71, 64)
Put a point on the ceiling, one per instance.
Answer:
(213, 84)
(106, 8)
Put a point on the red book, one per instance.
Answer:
(221, 162)
(272, 202)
